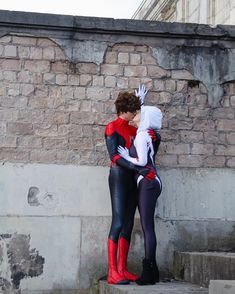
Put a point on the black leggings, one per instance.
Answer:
(148, 193)
(124, 202)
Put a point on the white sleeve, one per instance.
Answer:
(141, 149)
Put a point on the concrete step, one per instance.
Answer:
(222, 287)
(159, 288)
(201, 267)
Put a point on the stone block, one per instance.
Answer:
(123, 58)
(222, 287)
(17, 128)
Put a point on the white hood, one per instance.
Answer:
(150, 118)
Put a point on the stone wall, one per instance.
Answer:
(60, 76)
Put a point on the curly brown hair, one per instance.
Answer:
(127, 102)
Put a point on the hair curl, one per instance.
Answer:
(127, 102)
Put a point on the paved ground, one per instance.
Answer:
(159, 288)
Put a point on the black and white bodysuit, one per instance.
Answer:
(142, 153)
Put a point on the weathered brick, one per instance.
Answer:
(41, 66)
(55, 143)
(199, 111)
(98, 94)
(61, 79)
(85, 79)
(111, 69)
(73, 80)
(134, 82)
(191, 136)
(110, 81)
(202, 124)
(164, 97)
(24, 40)
(141, 48)
(7, 141)
(98, 81)
(56, 117)
(23, 52)
(49, 78)
(10, 51)
(225, 101)
(180, 148)
(170, 85)
(227, 113)
(13, 155)
(231, 162)
(5, 39)
(157, 72)
(9, 76)
(122, 83)
(135, 59)
(35, 53)
(226, 124)
(206, 149)
(232, 101)
(167, 160)
(41, 91)
(48, 53)
(60, 66)
(191, 160)
(147, 59)
(29, 142)
(135, 71)
(18, 128)
(59, 54)
(182, 86)
(14, 101)
(214, 137)
(79, 93)
(181, 75)
(30, 115)
(80, 143)
(225, 150)
(214, 161)
(45, 129)
(10, 64)
(13, 90)
(67, 92)
(123, 48)
(159, 85)
(111, 57)
(123, 58)
(45, 42)
(180, 124)
(85, 106)
(43, 156)
(87, 68)
(82, 118)
(231, 138)
(27, 89)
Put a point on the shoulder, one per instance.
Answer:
(110, 128)
(133, 130)
(142, 136)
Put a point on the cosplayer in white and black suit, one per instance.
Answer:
(142, 153)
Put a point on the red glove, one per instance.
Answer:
(151, 175)
(152, 135)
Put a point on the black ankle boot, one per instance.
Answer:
(150, 273)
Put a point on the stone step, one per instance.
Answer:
(159, 288)
(222, 287)
(201, 267)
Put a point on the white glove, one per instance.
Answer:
(123, 152)
(141, 93)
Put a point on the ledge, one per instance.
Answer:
(113, 26)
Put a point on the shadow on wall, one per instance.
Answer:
(17, 261)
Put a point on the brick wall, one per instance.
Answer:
(53, 110)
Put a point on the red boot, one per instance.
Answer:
(113, 275)
(123, 248)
